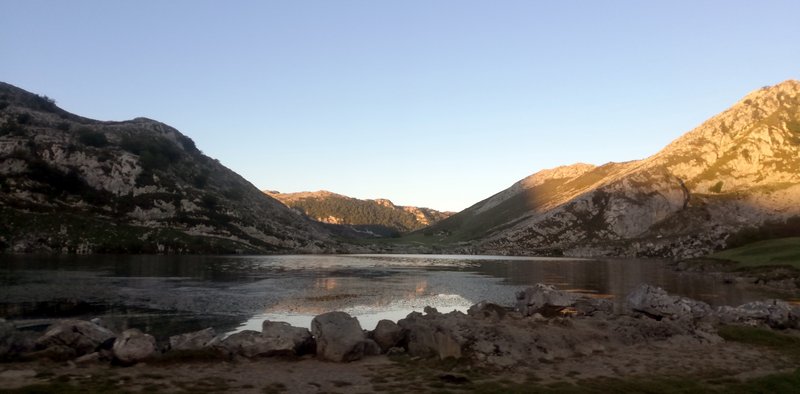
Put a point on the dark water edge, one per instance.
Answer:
(167, 295)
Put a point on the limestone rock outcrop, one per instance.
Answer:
(739, 169)
(340, 338)
(194, 340)
(142, 186)
(657, 303)
(133, 346)
(81, 336)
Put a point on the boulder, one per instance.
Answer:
(250, 343)
(89, 358)
(487, 310)
(340, 338)
(656, 303)
(543, 299)
(194, 340)
(435, 335)
(772, 313)
(81, 336)
(592, 306)
(133, 346)
(296, 340)
(53, 352)
(14, 342)
(387, 334)
(275, 339)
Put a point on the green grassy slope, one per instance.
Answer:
(783, 251)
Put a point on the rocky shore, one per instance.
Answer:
(544, 328)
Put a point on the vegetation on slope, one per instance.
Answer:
(782, 251)
(378, 216)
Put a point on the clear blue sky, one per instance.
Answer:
(429, 103)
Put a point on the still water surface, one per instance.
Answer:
(167, 295)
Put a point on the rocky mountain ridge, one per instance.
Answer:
(739, 169)
(75, 185)
(378, 217)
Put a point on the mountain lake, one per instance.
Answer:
(169, 295)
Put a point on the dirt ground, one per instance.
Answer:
(721, 363)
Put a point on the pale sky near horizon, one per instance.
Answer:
(428, 103)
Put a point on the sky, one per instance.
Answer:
(428, 103)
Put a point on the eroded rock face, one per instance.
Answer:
(194, 340)
(387, 334)
(81, 336)
(772, 313)
(133, 346)
(543, 299)
(340, 338)
(656, 303)
(298, 340)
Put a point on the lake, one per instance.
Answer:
(168, 295)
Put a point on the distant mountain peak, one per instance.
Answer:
(333, 208)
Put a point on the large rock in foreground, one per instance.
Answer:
(194, 340)
(81, 336)
(543, 299)
(387, 334)
(340, 338)
(772, 313)
(284, 336)
(14, 342)
(133, 346)
(658, 304)
(435, 334)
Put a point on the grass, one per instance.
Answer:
(782, 251)
(786, 344)
(457, 376)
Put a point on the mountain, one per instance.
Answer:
(737, 171)
(76, 185)
(364, 217)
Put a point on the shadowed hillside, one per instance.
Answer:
(70, 184)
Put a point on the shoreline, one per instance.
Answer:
(549, 340)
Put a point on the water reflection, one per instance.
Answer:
(173, 294)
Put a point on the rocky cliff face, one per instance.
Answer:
(378, 217)
(71, 184)
(740, 168)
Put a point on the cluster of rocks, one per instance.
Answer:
(545, 324)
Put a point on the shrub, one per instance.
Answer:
(209, 201)
(11, 127)
(188, 144)
(155, 152)
(24, 118)
(235, 194)
(200, 180)
(44, 103)
(63, 126)
(793, 126)
(769, 230)
(717, 188)
(90, 137)
(3, 105)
